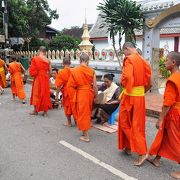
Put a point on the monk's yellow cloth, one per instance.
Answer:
(136, 91)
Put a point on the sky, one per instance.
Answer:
(72, 12)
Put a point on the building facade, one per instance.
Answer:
(169, 32)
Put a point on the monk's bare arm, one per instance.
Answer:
(149, 86)
(113, 102)
(164, 112)
(5, 67)
(95, 87)
(57, 92)
(50, 67)
(23, 70)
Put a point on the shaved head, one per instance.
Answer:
(175, 56)
(128, 45)
(66, 60)
(129, 48)
(13, 58)
(43, 49)
(84, 58)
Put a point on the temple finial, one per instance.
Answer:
(85, 17)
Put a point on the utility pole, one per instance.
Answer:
(5, 21)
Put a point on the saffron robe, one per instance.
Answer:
(40, 94)
(17, 86)
(62, 80)
(131, 124)
(81, 84)
(3, 83)
(167, 141)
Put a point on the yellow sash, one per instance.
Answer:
(136, 91)
(1, 69)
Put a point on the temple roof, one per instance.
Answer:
(96, 30)
(155, 5)
(147, 6)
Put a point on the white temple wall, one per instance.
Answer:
(139, 43)
(164, 43)
(100, 44)
(167, 43)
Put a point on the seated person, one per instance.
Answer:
(53, 88)
(110, 100)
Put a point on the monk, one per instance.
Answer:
(83, 82)
(167, 141)
(61, 84)
(16, 77)
(73, 104)
(40, 69)
(3, 83)
(136, 80)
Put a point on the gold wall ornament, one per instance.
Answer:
(150, 23)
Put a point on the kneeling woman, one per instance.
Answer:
(110, 101)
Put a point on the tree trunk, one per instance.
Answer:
(119, 61)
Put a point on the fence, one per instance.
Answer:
(104, 55)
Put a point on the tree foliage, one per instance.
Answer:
(64, 42)
(28, 17)
(123, 16)
(34, 44)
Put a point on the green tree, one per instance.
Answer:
(162, 69)
(28, 17)
(64, 42)
(121, 17)
(34, 44)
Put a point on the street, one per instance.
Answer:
(42, 148)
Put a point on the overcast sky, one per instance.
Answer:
(72, 12)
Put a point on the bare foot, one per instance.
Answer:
(67, 124)
(1, 91)
(175, 174)
(45, 114)
(127, 151)
(140, 160)
(155, 162)
(33, 113)
(85, 139)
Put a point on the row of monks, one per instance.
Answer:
(79, 90)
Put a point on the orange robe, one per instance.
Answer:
(131, 123)
(40, 94)
(3, 83)
(167, 141)
(61, 80)
(80, 82)
(17, 86)
(71, 93)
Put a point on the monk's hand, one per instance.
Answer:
(158, 123)
(96, 100)
(108, 103)
(56, 99)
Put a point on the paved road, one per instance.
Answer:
(30, 149)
